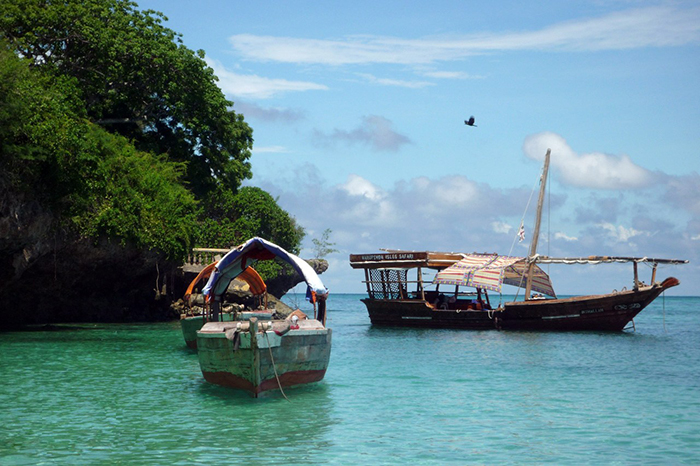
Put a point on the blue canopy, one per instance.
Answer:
(253, 250)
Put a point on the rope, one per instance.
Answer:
(522, 220)
(274, 367)
(664, 307)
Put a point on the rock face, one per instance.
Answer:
(84, 282)
(279, 285)
(48, 275)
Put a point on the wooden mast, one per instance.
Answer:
(536, 232)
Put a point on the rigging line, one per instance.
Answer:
(274, 366)
(522, 220)
(549, 220)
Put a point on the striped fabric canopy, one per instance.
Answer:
(491, 271)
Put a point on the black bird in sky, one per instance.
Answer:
(470, 121)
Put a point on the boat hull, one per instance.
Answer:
(610, 312)
(189, 326)
(417, 313)
(298, 357)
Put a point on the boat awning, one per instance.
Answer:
(238, 259)
(254, 281)
(491, 271)
(249, 275)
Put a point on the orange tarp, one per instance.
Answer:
(248, 275)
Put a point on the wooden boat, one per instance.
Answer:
(258, 354)
(194, 317)
(390, 303)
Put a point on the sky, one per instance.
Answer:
(358, 110)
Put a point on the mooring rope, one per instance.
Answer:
(274, 367)
(664, 306)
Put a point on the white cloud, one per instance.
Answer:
(417, 214)
(594, 170)
(684, 191)
(270, 149)
(564, 236)
(395, 82)
(374, 130)
(257, 87)
(251, 110)
(660, 26)
(358, 186)
(621, 234)
(500, 227)
(450, 75)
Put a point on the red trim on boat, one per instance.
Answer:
(288, 379)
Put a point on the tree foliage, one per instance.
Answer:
(323, 246)
(136, 79)
(96, 182)
(233, 218)
(110, 121)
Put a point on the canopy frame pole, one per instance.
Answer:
(369, 285)
(419, 279)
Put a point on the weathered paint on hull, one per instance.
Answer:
(189, 326)
(611, 312)
(192, 324)
(288, 379)
(300, 357)
(605, 312)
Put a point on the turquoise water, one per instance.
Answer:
(133, 394)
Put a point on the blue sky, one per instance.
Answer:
(357, 110)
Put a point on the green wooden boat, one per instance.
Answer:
(261, 356)
(257, 353)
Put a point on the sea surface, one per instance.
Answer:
(134, 394)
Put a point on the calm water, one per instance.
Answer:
(134, 394)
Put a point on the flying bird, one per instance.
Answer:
(470, 121)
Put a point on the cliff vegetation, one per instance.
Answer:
(118, 154)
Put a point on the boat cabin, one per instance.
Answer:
(399, 276)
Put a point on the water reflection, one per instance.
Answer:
(269, 427)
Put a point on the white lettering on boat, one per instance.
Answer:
(387, 257)
(592, 311)
(622, 307)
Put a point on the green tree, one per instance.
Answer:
(323, 247)
(136, 79)
(94, 183)
(229, 219)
